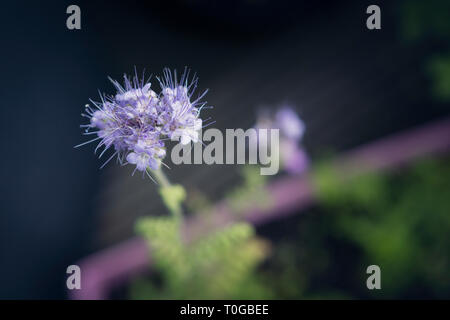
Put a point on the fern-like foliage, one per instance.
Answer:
(218, 266)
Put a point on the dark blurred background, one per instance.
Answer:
(350, 85)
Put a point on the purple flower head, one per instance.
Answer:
(136, 121)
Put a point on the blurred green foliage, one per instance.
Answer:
(439, 69)
(425, 19)
(429, 21)
(399, 222)
(218, 266)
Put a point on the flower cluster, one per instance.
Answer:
(137, 120)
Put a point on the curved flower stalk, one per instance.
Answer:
(136, 122)
(292, 156)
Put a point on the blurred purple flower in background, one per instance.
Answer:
(293, 157)
(137, 120)
(290, 125)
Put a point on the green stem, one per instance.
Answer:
(160, 178)
(169, 193)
